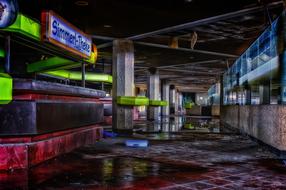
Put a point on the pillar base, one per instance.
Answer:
(23, 152)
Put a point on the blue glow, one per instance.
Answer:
(8, 12)
(61, 32)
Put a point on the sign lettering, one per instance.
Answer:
(59, 32)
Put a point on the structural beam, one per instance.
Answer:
(207, 20)
(194, 72)
(196, 23)
(188, 50)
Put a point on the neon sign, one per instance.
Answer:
(59, 32)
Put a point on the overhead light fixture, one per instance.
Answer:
(81, 3)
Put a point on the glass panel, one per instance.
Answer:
(258, 64)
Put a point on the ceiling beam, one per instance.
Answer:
(191, 63)
(187, 50)
(199, 68)
(193, 23)
(168, 47)
(208, 20)
(193, 72)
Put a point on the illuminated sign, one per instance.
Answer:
(8, 12)
(61, 33)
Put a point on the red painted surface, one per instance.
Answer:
(49, 148)
(108, 120)
(13, 156)
(33, 138)
(29, 151)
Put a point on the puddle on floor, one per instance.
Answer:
(72, 171)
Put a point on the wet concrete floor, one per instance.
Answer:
(188, 158)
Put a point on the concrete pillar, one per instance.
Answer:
(180, 102)
(264, 94)
(248, 96)
(221, 91)
(166, 97)
(172, 99)
(123, 82)
(153, 93)
(177, 102)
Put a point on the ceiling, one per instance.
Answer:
(152, 24)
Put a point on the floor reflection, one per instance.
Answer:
(176, 124)
(75, 172)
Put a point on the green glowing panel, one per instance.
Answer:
(158, 103)
(189, 126)
(26, 26)
(2, 53)
(6, 87)
(132, 101)
(92, 77)
(189, 105)
(60, 73)
(47, 64)
(99, 77)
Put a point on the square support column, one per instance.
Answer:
(123, 82)
(172, 99)
(180, 102)
(248, 96)
(264, 94)
(153, 93)
(177, 102)
(166, 97)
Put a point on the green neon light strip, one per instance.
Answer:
(32, 29)
(6, 86)
(188, 105)
(65, 67)
(92, 77)
(132, 101)
(157, 103)
(48, 64)
(26, 26)
(2, 53)
(189, 126)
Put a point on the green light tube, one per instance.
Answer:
(73, 75)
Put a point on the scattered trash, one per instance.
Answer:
(136, 143)
(107, 134)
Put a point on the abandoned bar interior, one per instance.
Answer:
(143, 94)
